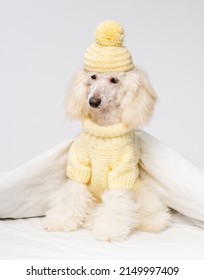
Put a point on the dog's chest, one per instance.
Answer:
(106, 153)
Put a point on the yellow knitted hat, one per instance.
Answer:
(107, 53)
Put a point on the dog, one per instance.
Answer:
(107, 191)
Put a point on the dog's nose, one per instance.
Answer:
(94, 102)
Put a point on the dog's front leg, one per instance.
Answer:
(69, 207)
(116, 217)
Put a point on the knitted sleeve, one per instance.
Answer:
(125, 175)
(78, 164)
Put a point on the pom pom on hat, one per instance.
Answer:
(107, 53)
(109, 33)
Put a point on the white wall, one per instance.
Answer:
(42, 43)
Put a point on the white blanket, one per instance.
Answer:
(24, 192)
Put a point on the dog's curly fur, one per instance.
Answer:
(130, 99)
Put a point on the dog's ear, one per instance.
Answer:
(139, 100)
(75, 98)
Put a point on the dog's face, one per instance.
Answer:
(131, 92)
(103, 90)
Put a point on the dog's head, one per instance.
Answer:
(130, 91)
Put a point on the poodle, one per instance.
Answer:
(112, 214)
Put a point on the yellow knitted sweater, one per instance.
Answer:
(104, 158)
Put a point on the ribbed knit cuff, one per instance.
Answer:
(129, 184)
(80, 176)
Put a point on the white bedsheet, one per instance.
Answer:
(25, 239)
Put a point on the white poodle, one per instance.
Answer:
(107, 100)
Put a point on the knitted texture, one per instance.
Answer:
(104, 158)
(107, 53)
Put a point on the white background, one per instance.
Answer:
(42, 43)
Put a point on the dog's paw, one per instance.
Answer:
(156, 222)
(57, 225)
(107, 233)
(116, 217)
(69, 208)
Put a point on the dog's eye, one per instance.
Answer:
(114, 80)
(93, 77)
